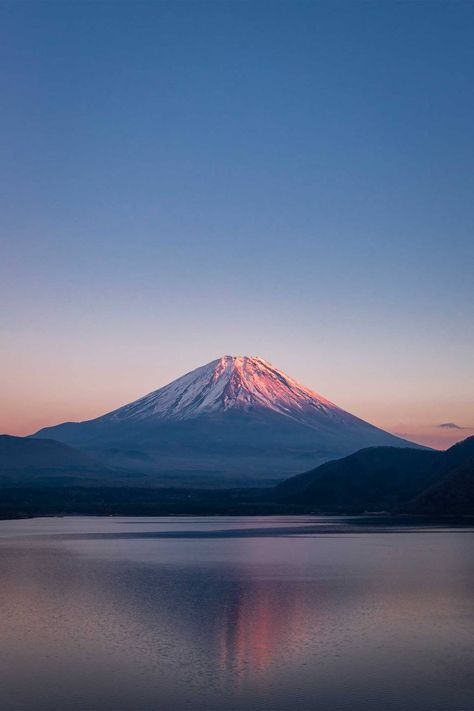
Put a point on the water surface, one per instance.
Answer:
(301, 614)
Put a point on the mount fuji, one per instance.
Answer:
(234, 421)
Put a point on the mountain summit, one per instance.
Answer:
(235, 420)
(239, 383)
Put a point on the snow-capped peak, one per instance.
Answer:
(232, 382)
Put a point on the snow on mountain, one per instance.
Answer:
(231, 382)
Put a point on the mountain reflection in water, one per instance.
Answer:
(113, 614)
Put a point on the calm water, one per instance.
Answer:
(287, 614)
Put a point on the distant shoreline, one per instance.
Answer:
(18, 503)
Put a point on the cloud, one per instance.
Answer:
(451, 426)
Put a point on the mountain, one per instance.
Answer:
(453, 492)
(453, 496)
(388, 479)
(234, 421)
(451, 458)
(373, 479)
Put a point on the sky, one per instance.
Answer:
(186, 180)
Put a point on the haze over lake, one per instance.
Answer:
(234, 613)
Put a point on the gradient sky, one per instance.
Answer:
(186, 180)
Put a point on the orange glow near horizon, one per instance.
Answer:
(32, 401)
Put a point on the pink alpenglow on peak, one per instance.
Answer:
(230, 382)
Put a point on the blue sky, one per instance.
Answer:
(186, 180)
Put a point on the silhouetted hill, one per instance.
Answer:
(373, 479)
(455, 455)
(384, 478)
(453, 492)
(454, 495)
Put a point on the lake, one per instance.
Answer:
(280, 613)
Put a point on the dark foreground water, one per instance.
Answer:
(284, 614)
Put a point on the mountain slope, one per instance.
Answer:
(24, 461)
(21, 452)
(235, 420)
(451, 458)
(453, 491)
(373, 479)
(453, 496)
(388, 478)
(233, 383)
